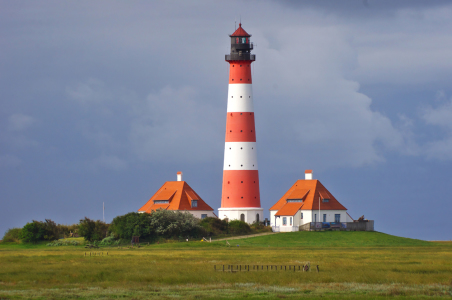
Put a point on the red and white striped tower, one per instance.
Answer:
(240, 199)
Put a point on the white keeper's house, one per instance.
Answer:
(306, 201)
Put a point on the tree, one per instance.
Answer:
(132, 224)
(33, 232)
(92, 230)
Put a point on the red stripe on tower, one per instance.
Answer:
(240, 199)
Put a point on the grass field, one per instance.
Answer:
(353, 265)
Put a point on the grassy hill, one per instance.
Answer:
(330, 239)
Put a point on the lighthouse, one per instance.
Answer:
(240, 199)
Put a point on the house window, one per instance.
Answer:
(161, 201)
(194, 203)
(315, 217)
(290, 221)
(301, 216)
(284, 221)
(337, 218)
(324, 217)
(203, 216)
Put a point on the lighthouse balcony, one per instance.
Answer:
(240, 56)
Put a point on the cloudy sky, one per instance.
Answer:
(105, 101)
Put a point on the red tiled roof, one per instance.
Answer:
(289, 209)
(179, 195)
(311, 200)
(240, 31)
(298, 194)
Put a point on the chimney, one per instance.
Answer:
(308, 175)
(179, 176)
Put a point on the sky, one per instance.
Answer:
(104, 101)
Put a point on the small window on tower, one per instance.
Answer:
(240, 79)
(241, 181)
(240, 96)
(240, 65)
(232, 96)
(241, 130)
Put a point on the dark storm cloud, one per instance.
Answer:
(363, 8)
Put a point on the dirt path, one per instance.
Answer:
(243, 236)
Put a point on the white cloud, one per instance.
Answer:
(311, 111)
(174, 125)
(20, 122)
(89, 91)
(441, 117)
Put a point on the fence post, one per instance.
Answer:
(223, 268)
(294, 268)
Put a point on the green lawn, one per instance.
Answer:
(353, 265)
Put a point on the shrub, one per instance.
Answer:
(132, 224)
(12, 235)
(92, 230)
(239, 227)
(173, 224)
(109, 240)
(33, 232)
(65, 230)
(214, 226)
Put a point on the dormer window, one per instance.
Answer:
(325, 200)
(294, 200)
(194, 203)
(161, 201)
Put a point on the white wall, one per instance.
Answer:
(308, 216)
(198, 213)
(249, 212)
(329, 215)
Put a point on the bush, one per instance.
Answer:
(239, 227)
(92, 230)
(65, 230)
(109, 240)
(214, 226)
(12, 235)
(63, 243)
(132, 224)
(33, 232)
(173, 224)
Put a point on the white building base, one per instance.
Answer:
(247, 214)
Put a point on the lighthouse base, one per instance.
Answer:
(246, 214)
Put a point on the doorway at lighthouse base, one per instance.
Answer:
(246, 214)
